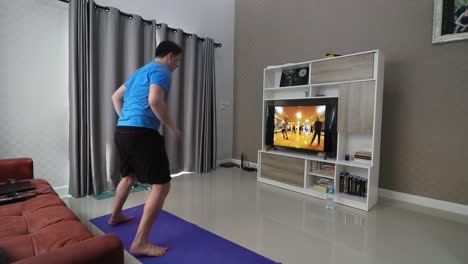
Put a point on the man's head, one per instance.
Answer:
(169, 54)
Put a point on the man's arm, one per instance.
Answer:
(159, 107)
(117, 98)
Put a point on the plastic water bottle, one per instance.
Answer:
(330, 204)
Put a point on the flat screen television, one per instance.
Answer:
(308, 125)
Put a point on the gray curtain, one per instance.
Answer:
(78, 93)
(105, 48)
(192, 104)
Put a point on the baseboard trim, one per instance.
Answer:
(424, 201)
(62, 191)
(238, 162)
(219, 162)
(407, 198)
(246, 163)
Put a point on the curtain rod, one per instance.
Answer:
(216, 45)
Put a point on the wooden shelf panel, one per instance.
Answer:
(358, 164)
(288, 170)
(299, 64)
(321, 175)
(345, 69)
(287, 87)
(299, 98)
(319, 84)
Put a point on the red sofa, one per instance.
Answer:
(43, 230)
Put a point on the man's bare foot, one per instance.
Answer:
(147, 249)
(121, 218)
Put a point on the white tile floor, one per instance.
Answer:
(294, 229)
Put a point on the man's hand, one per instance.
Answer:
(117, 98)
(177, 134)
(160, 109)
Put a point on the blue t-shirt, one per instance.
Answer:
(136, 111)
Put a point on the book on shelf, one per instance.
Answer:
(352, 185)
(363, 155)
(321, 184)
(323, 173)
(319, 188)
(323, 168)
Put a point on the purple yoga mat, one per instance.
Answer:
(187, 242)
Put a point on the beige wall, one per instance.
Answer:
(34, 89)
(425, 115)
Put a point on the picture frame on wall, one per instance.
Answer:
(450, 21)
(294, 77)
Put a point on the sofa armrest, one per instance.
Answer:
(19, 169)
(97, 250)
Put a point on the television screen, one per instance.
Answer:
(301, 127)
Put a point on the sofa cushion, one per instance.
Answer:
(17, 247)
(39, 225)
(47, 216)
(59, 235)
(13, 226)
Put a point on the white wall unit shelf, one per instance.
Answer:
(356, 80)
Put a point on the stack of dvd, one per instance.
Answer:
(353, 185)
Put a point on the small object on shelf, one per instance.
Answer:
(346, 157)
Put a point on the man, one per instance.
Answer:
(141, 106)
(284, 130)
(317, 131)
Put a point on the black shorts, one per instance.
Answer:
(143, 154)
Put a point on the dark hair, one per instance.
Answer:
(166, 47)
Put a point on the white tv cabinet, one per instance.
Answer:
(357, 81)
